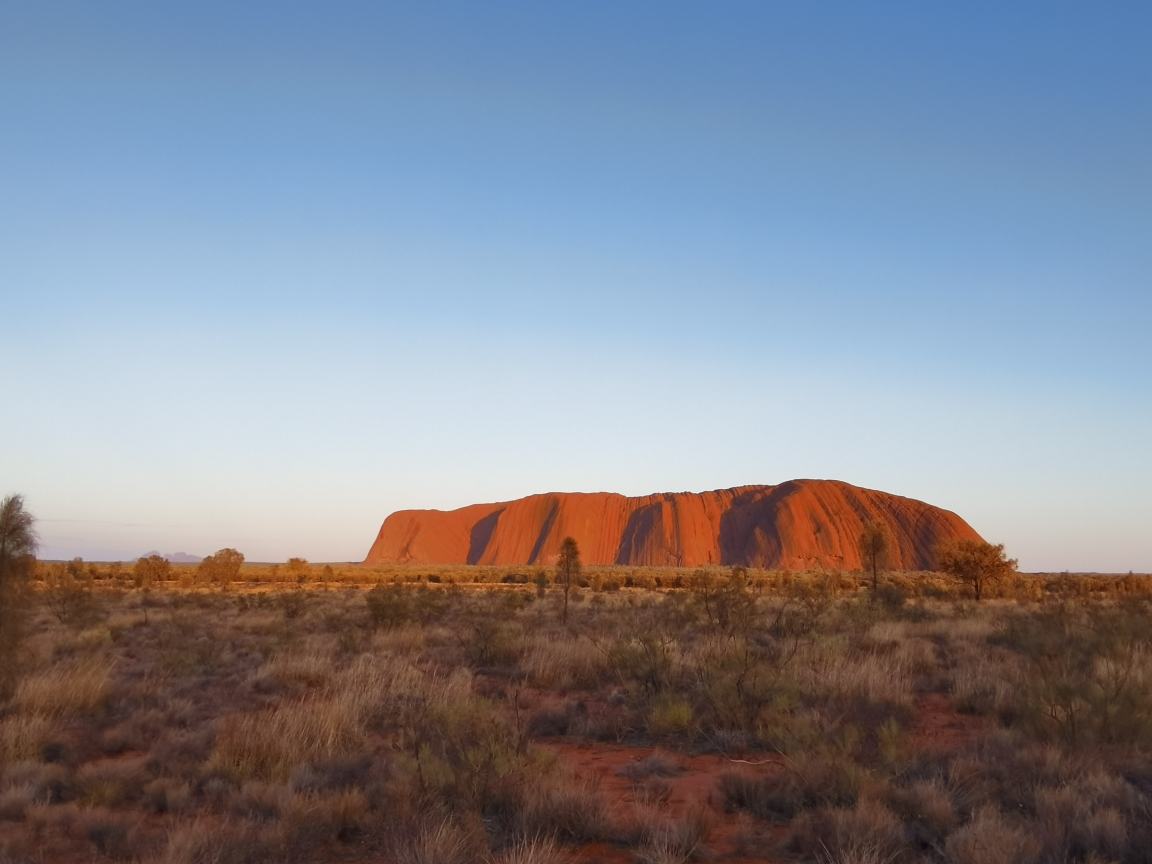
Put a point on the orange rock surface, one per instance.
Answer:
(797, 525)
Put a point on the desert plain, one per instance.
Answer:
(425, 713)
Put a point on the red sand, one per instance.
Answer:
(936, 726)
(697, 785)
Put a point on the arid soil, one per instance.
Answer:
(798, 525)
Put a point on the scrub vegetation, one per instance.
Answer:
(239, 712)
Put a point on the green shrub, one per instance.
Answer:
(292, 603)
(388, 606)
(1088, 677)
(489, 642)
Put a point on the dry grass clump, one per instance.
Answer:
(563, 807)
(310, 669)
(409, 639)
(867, 832)
(1069, 825)
(167, 795)
(984, 681)
(872, 676)
(332, 723)
(564, 663)
(321, 820)
(530, 852)
(1087, 815)
(261, 802)
(927, 810)
(110, 833)
(65, 689)
(811, 784)
(270, 744)
(990, 838)
(441, 842)
(110, 784)
(667, 840)
(23, 736)
(202, 841)
(191, 843)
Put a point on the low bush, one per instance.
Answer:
(293, 603)
(438, 843)
(318, 820)
(1087, 675)
(666, 840)
(230, 842)
(775, 799)
(927, 810)
(67, 593)
(808, 783)
(990, 838)
(109, 784)
(388, 606)
(669, 717)
(488, 642)
(866, 832)
(109, 833)
(167, 795)
(568, 809)
(333, 775)
(551, 722)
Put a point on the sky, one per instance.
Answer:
(271, 271)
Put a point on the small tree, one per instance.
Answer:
(68, 596)
(975, 562)
(874, 551)
(151, 569)
(567, 571)
(298, 570)
(223, 567)
(18, 543)
(75, 568)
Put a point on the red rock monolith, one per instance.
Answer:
(796, 525)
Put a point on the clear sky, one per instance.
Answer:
(270, 271)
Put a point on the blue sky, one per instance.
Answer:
(270, 271)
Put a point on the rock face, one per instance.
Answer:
(798, 524)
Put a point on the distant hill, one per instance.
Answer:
(798, 524)
(175, 557)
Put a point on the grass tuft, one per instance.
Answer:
(65, 690)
